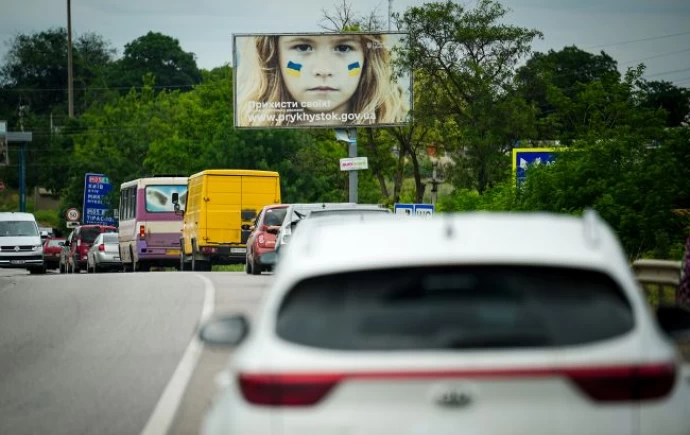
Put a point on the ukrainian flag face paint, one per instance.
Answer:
(294, 69)
(354, 69)
(321, 72)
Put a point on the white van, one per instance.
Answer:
(20, 242)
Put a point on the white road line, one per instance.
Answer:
(164, 413)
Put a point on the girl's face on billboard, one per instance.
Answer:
(321, 72)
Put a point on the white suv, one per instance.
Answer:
(460, 324)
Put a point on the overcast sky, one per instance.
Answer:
(628, 30)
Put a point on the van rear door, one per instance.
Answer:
(257, 191)
(223, 201)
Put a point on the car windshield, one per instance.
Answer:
(454, 308)
(18, 229)
(275, 216)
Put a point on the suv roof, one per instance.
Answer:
(466, 238)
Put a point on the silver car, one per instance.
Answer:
(104, 254)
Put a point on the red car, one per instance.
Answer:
(51, 252)
(262, 238)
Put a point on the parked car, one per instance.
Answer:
(104, 254)
(73, 257)
(51, 252)
(477, 323)
(262, 238)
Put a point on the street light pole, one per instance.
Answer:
(70, 90)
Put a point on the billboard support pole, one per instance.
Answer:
(350, 136)
(352, 152)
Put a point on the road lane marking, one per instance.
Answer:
(164, 413)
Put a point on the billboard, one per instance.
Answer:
(334, 80)
(96, 189)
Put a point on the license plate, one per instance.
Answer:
(172, 252)
(238, 250)
(17, 261)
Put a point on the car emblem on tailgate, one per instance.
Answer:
(457, 396)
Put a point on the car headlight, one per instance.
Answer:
(37, 248)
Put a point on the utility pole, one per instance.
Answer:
(70, 90)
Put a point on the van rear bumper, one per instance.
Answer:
(224, 254)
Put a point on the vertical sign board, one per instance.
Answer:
(424, 210)
(96, 189)
(523, 158)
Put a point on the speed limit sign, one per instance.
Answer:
(72, 215)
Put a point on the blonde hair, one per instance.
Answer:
(260, 79)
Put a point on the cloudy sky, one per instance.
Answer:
(656, 32)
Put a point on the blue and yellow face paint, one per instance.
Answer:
(354, 69)
(294, 69)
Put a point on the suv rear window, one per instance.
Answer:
(468, 307)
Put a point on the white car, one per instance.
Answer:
(475, 323)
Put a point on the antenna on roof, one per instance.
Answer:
(591, 222)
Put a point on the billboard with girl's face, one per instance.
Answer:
(336, 80)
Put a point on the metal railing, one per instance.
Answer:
(658, 273)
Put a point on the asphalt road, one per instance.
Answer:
(83, 354)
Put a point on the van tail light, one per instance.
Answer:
(286, 390)
(624, 384)
(101, 247)
(142, 231)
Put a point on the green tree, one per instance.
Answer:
(674, 100)
(471, 56)
(157, 54)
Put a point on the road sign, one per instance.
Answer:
(354, 164)
(523, 158)
(72, 214)
(96, 189)
(72, 224)
(426, 210)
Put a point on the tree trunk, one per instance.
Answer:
(419, 186)
(376, 168)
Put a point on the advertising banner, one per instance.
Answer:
(335, 80)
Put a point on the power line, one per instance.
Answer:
(632, 41)
(667, 72)
(655, 56)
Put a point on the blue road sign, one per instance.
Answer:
(414, 209)
(96, 189)
(523, 158)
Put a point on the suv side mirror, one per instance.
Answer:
(224, 331)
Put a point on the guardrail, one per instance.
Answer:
(659, 273)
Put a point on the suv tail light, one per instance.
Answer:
(101, 247)
(286, 390)
(619, 384)
(261, 240)
(601, 384)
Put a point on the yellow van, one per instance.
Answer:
(221, 205)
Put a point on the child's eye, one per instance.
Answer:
(303, 47)
(344, 48)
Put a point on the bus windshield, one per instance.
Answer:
(159, 197)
